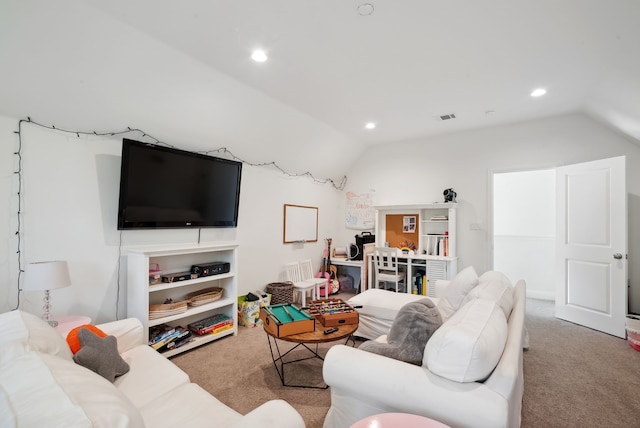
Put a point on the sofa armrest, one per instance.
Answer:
(128, 332)
(386, 385)
(272, 414)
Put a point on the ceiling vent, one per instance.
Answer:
(447, 116)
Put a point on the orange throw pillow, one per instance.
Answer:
(72, 337)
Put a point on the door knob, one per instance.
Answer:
(617, 256)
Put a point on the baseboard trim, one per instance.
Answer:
(542, 295)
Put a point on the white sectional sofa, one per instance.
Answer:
(471, 374)
(41, 385)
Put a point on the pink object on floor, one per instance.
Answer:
(396, 420)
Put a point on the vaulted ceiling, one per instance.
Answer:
(332, 67)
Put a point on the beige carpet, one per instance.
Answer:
(574, 376)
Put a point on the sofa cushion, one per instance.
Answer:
(189, 406)
(415, 324)
(495, 290)
(145, 364)
(22, 332)
(468, 346)
(453, 295)
(492, 275)
(100, 355)
(45, 390)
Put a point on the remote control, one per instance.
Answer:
(331, 330)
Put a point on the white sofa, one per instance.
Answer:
(41, 385)
(471, 374)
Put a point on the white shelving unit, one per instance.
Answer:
(434, 220)
(180, 258)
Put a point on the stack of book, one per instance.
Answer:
(164, 337)
(211, 325)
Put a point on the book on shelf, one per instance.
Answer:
(171, 335)
(176, 344)
(420, 283)
(211, 325)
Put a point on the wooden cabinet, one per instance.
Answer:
(180, 258)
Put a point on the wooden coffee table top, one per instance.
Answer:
(318, 335)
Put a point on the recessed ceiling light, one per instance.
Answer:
(538, 92)
(365, 9)
(259, 55)
(370, 125)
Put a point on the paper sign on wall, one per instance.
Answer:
(360, 213)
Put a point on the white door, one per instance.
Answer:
(591, 267)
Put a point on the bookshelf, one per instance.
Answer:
(180, 258)
(434, 222)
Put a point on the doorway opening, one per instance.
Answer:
(524, 228)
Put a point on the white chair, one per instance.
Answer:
(386, 263)
(292, 271)
(307, 272)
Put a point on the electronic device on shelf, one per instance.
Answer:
(213, 268)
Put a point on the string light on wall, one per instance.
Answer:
(340, 185)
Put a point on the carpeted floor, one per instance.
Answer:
(574, 376)
(577, 377)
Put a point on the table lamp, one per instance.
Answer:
(46, 276)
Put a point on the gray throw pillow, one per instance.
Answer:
(410, 331)
(100, 354)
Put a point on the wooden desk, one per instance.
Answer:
(351, 265)
(436, 267)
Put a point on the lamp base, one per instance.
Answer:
(47, 307)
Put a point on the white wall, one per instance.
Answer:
(69, 207)
(70, 202)
(418, 171)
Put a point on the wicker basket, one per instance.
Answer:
(205, 296)
(167, 309)
(281, 292)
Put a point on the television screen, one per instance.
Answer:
(161, 187)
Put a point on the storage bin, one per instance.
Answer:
(281, 292)
(633, 331)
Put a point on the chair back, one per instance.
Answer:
(386, 259)
(306, 269)
(292, 270)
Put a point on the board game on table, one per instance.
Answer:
(286, 319)
(333, 312)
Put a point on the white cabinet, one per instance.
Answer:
(180, 258)
(436, 222)
(439, 269)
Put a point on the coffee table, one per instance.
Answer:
(303, 340)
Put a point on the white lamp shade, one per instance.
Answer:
(46, 276)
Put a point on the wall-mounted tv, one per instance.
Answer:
(162, 187)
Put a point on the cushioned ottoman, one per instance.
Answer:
(379, 309)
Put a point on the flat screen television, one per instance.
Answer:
(162, 187)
